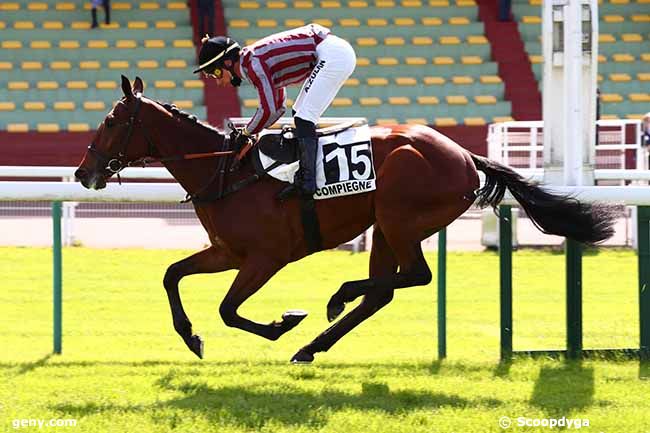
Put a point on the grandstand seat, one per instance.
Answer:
(611, 97)
(639, 97)
(620, 77)
(47, 85)
(106, 84)
(445, 121)
(474, 121)
(377, 22)
(40, 45)
(77, 85)
(485, 99)
(94, 105)
(434, 80)
(64, 106)
(193, 84)
(34, 106)
(456, 100)
(406, 81)
(416, 121)
(47, 127)
(7, 106)
(60, 65)
(18, 85)
(342, 102)
(17, 127)
(427, 100)
(370, 101)
(399, 100)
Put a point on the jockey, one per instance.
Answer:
(310, 55)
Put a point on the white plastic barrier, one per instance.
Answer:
(170, 192)
(68, 172)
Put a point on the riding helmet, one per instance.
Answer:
(215, 51)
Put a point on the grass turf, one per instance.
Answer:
(125, 370)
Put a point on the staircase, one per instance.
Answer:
(514, 66)
(220, 102)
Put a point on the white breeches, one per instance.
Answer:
(335, 62)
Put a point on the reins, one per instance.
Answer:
(115, 164)
(187, 156)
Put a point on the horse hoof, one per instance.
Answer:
(334, 311)
(291, 318)
(302, 357)
(196, 345)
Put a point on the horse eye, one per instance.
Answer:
(109, 122)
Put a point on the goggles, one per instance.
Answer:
(215, 73)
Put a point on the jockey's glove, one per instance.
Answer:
(241, 139)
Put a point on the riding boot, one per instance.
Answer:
(308, 151)
(304, 183)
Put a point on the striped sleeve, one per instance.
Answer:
(270, 99)
(280, 98)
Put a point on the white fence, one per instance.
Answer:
(520, 144)
(141, 202)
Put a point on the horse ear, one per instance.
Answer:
(126, 87)
(138, 86)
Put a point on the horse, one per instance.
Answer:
(424, 181)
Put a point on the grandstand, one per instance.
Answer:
(58, 75)
(447, 63)
(417, 62)
(624, 53)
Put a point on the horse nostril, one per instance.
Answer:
(80, 174)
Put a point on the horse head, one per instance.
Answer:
(121, 139)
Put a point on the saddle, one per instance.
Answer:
(283, 146)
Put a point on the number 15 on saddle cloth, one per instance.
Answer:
(344, 164)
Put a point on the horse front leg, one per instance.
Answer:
(210, 260)
(253, 274)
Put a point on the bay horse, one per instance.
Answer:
(424, 182)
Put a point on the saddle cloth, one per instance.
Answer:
(344, 164)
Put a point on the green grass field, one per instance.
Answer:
(124, 369)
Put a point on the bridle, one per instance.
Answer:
(115, 164)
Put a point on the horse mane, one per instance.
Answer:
(189, 117)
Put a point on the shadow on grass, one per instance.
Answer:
(253, 407)
(26, 367)
(561, 390)
(502, 369)
(644, 370)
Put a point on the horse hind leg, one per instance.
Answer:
(383, 264)
(414, 271)
(210, 260)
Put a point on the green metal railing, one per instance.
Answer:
(57, 283)
(442, 294)
(573, 299)
(573, 255)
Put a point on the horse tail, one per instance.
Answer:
(554, 214)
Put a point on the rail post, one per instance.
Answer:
(57, 274)
(643, 232)
(442, 293)
(505, 286)
(573, 260)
